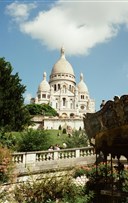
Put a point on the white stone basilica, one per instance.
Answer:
(62, 93)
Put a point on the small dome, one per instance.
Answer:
(62, 65)
(44, 85)
(81, 85)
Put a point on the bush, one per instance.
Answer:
(50, 190)
(80, 171)
(6, 165)
(78, 139)
(7, 140)
(34, 140)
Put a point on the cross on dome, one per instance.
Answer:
(44, 76)
(81, 77)
(62, 52)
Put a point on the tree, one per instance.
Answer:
(41, 109)
(34, 140)
(14, 116)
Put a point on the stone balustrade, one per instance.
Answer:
(39, 161)
(46, 156)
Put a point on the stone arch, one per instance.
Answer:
(64, 115)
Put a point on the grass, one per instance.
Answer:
(18, 142)
(57, 137)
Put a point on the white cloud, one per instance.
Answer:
(19, 11)
(27, 98)
(77, 25)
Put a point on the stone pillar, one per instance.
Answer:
(77, 153)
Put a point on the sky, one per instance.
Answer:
(93, 33)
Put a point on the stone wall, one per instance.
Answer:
(54, 123)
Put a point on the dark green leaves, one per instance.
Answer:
(13, 114)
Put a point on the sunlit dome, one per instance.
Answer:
(44, 85)
(81, 85)
(62, 65)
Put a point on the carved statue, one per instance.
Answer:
(109, 127)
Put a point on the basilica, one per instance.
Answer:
(62, 93)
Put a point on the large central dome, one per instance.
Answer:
(62, 65)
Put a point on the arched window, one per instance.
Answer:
(70, 87)
(64, 101)
(82, 96)
(58, 86)
(54, 87)
(71, 104)
(64, 88)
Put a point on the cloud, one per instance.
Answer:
(79, 26)
(19, 11)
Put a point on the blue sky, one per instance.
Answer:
(94, 34)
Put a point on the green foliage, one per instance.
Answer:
(53, 189)
(124, 177)
(13, 113)
(8, 140)
(33, 140)
(79, 171)
(101, 178)
(41, 109)
(78, 139)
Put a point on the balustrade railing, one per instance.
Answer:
(46, 156)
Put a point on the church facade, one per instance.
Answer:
(62, 93)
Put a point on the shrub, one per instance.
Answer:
(51, 189)
(6, 139)
(6, 165)
(78, 139)
(34, 140)
(79, 171)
